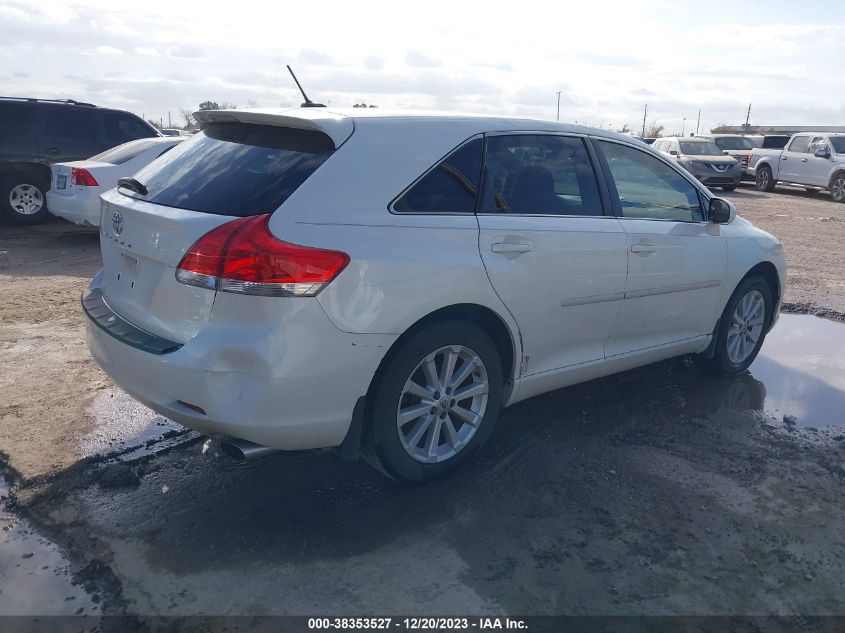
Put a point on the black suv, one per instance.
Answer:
(37, 132)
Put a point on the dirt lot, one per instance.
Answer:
(658, 491)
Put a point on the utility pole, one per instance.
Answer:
(645, 113)
(684, 126)
(747, 119)
(169, 122)
(697, 123)
(558, 105)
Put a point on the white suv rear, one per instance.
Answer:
(386, 282)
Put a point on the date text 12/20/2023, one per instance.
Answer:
(417, 624)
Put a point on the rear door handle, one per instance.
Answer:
(803, 160)
(643, 248)
(783, 157)
(53, 150)
(510, 247)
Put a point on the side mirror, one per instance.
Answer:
(721, 211)
(726, 152)
(673, 152)
(822, 152)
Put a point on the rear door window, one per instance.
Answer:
(451, 187)
(70, 123)
(539, 174)
(234, 169)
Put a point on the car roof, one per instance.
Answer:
(339, 123)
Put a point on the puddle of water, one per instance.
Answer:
(802, 365)
(35, 578)
(126, 426)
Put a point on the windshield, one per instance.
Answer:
(700, 148)
(838, 143)
(124, 153)
(234, 168)
(734, 142)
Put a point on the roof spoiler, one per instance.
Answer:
(337, 127)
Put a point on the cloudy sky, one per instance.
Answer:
(608, 59)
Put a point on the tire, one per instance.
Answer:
(23, 198)
(764, 179)
(735, 351)
(390, 447)
(837, 187)
(729, 188)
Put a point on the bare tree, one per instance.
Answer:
(188, 116)
(653, 130)
(252, 103)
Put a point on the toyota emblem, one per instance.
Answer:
(117, 222)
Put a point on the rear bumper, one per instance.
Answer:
(287, 385)
(79, 208)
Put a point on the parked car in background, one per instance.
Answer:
(173, 131)
(812, 159)
(34, 133)
(733, 145)
(305, 278)
(770, 141)
(76, 186)
(703, 159)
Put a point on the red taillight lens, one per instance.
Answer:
(243, 256)
(82, 177)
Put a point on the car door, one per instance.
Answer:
(793, 158)
(553, 254)
(815, 170)
(69, 133)
(676, 260)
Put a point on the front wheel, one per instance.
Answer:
(742, 327)
(764, 179)
(837, 188)
(435, 404)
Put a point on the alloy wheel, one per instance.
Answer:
(442, 404)
(26, 199)
(762, 179)
(746, 327)
(837, 189)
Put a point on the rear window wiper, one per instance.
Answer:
(133, 185)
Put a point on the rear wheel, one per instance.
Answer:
(436, 402)
(837, 188)
(23, 198)
(764, 179)
(742, 327)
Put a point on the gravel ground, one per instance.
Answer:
(659, 491)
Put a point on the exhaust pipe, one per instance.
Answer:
(241, 450)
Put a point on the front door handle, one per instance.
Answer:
(510, 247)
(643, 248)
(803, 160)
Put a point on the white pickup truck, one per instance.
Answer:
(813, 159)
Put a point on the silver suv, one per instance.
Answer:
(704, 160)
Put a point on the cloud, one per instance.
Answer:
(313, 57)
(416, 59)
(373, 63)
(148, 52)
(186, 51)
(108, 50)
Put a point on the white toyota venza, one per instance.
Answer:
(385, 282)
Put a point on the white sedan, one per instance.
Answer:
(75, 187)
(385, 282)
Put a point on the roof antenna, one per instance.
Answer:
(308, 103)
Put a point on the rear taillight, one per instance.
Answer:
(243, 256)
(82, 177)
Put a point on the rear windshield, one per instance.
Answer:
(124, 153)
(838, 143)
(734, 142)
(700, 148)
(236, 169)
(775, 142)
